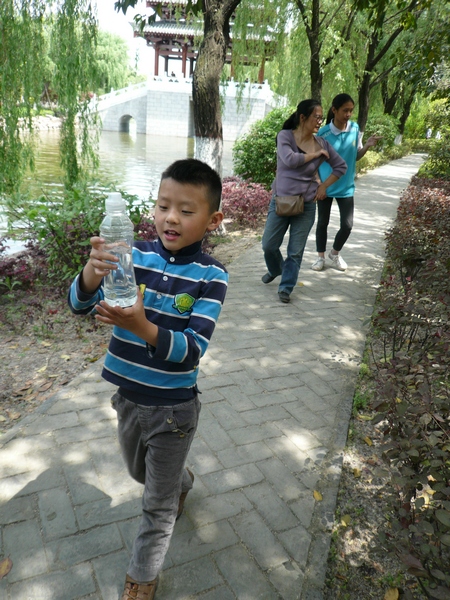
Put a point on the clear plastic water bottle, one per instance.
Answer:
(117, 230)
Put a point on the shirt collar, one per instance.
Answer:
(186, 254)
(337, 131)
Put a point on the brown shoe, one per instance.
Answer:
(183, 496)
(139, 591)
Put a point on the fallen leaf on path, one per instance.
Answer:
(46, 386)
(65, 356)
(357, 473)
(317, 496)
(391, 594)
(13, 415)
(42, 369)
(24, 387)
(368, 440)
(5, 567)
(2, 419)
(346, 520)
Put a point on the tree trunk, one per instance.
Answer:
(315, 71)
(389, 102)
(363, 102)
(374, 56)
(314, 44)
(405, 112)
(206, 81)
(205, 94)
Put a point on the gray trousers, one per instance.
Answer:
(155, 442)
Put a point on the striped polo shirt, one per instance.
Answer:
(183, 295)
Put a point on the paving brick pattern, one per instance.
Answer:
(277, 387)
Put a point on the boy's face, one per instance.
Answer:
(182, 214)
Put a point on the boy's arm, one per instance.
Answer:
(85, 291)
(189, 345)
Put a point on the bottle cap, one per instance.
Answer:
(114, 201)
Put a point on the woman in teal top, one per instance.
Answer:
(345, 137)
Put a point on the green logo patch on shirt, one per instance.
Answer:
(183, 303)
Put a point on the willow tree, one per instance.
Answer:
(73, 53)
(415, 62)
(24, 48)
(20, 84)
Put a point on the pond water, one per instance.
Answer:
(133, 161)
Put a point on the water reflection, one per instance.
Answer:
(133, 161)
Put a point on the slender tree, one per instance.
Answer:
(318, 17)
(73, 53)
(206, 81)
(208, 70)
(20, 85)
(415, 61)
(24, 71)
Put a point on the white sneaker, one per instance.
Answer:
(338, 262)
(319, 264)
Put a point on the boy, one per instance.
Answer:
(155, 349)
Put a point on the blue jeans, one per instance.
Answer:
(155, 442)
(274, 231)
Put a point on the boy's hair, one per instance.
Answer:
(196, 172)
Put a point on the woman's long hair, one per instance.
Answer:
(305, 108)
(336, 103)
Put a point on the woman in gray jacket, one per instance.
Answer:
(298, 157)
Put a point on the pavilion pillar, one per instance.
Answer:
(166, 65)
(156, 69)
(183, 60)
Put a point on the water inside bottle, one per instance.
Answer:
(119, 285)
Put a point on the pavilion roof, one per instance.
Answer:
(173, 29)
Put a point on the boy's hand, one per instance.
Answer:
(100, 259)
(132, 318)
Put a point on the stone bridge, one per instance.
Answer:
(163, 106)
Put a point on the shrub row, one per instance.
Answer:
(410, 342)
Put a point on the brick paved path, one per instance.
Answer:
(277, 386)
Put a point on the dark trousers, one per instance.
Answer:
(155, 442)
(346, 207)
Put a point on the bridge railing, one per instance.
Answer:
(118, 96)
(179, 84)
